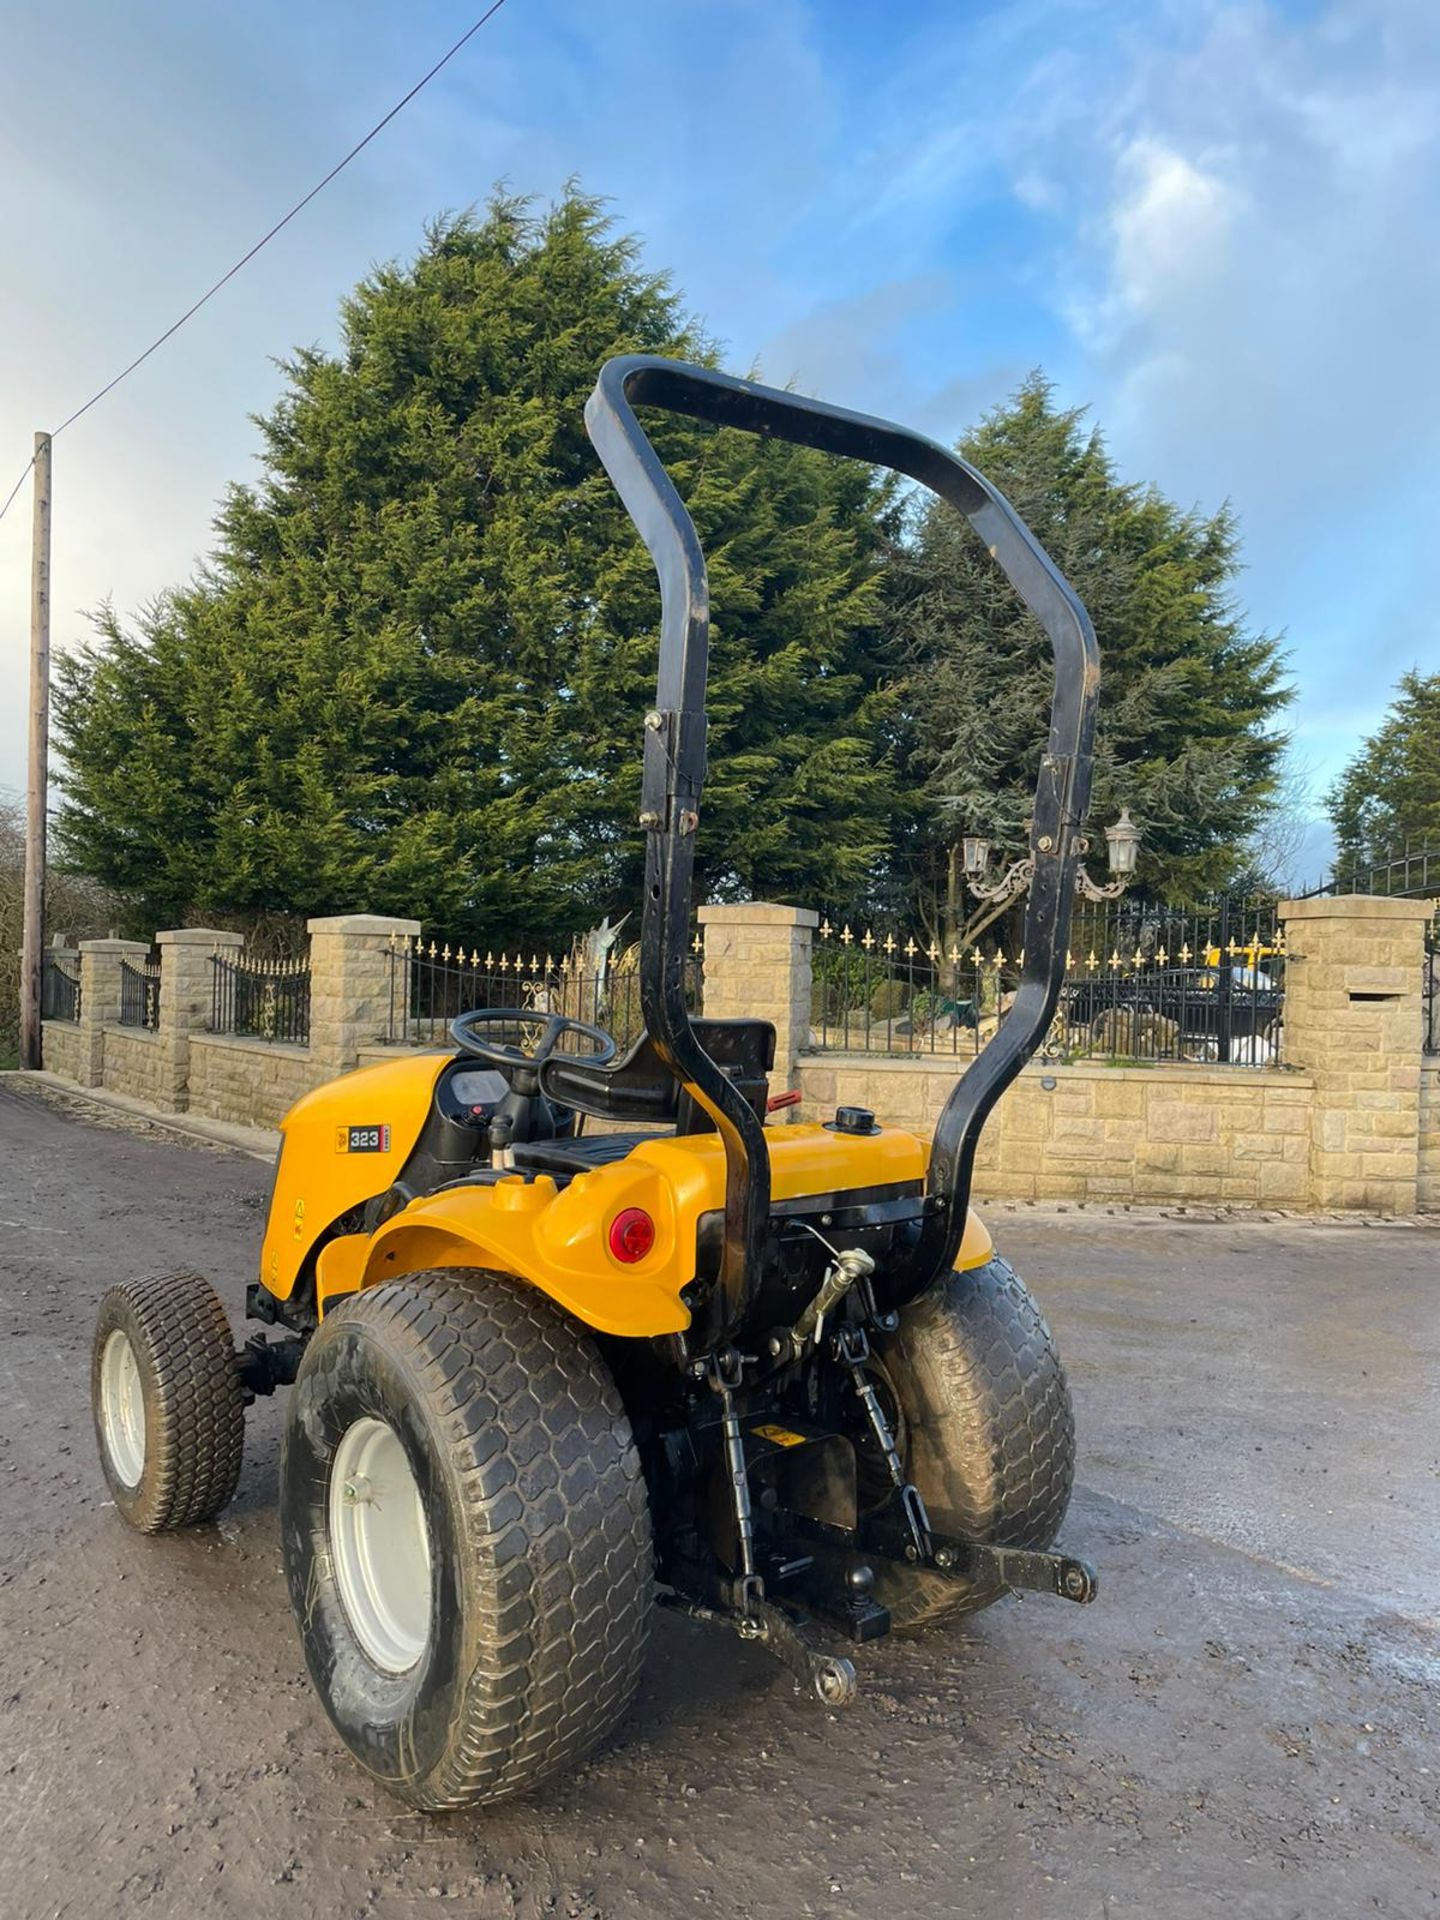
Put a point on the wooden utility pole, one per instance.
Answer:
(33, 937)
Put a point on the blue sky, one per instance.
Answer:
(1214, 224)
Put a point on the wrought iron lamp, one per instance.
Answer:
(1122, 842)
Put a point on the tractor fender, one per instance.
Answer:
(976, 1245)
(554, 1241)
(466, 1228)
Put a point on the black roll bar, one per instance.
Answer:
(674, 773)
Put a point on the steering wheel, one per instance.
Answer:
(506, 1058)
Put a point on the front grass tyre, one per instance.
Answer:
(168, 1402)
(466, 1535)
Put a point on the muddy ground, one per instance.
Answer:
(1244, 1724)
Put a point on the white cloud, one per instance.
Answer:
(1233, 210)
(1171, 226)
(1247, 268)
(1252, 277)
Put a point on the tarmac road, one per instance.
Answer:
(1245, 1723)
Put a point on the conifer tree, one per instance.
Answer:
(413, 674)
(1390, 792)
(1188, 700)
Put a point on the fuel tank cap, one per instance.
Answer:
(853, 1120)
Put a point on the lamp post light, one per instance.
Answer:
(1123, 841)
(1122, 844)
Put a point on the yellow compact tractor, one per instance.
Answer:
(542, 1380)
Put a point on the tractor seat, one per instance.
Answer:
(640, 1087)
(564, 1157)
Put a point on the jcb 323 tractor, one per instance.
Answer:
(543, 1379)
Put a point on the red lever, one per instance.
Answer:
(779, 1100)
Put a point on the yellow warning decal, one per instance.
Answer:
(781, 1436)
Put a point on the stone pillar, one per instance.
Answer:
(1353, 998)
(187, 987)
(100, 962)
(757, 963)
(350, 974)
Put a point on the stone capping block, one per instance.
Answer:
(250, 1043)
(1165, 1074)
(1357, 906)
(208, 937)
(122, 947)
(755, 913)
(362, 923)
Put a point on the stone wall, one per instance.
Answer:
(180, 1067)
(60, 1048)
(1232, 1136)
(251, 1082)
(1345, 1125)
(134, 1064)
(1351, 1122)
(1429, 1180)
(377, 1056)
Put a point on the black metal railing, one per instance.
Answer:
(1410, 870)
(1143, 982)
(140, 994)
(264, 999)
(432, 982)
(1430, 1028)
(59, 989)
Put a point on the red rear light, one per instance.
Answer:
(632, 1235)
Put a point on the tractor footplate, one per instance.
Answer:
(1023, 1569)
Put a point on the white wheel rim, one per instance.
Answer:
(380, 1545)
(122, 1408)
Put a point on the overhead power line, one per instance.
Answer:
(264, 241)
(24, 476)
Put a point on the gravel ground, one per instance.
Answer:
(1243, 1724)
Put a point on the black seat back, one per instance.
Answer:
(744, 1050)
(639, 1087)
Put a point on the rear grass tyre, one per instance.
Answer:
(985, 1428)
(466, 1534)
(168, 1404)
